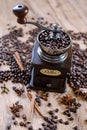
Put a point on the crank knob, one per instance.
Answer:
(20, 11)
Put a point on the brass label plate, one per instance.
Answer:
(50, 72)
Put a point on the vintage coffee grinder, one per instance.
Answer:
(51, 55)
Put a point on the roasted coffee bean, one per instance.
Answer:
(67, 112)
(30, 128)
(86, 120)
(24, 117)
(43, 124)
(15, 123)
(22, 124)
(28, 122)
(49, 104)
(71, 118)
(66, 123)
(74, 110)
(54, 128)
(14, 88)
(51, 112)
(54, 117)
(46, 128)
(60, 121)
(8, 127)
(50, 126)
(76, 128)
(13, 117)
(50, 121)
(17, 115)
(39, 129)
(78, 104)
(46, 118)
(54, 121)
(56, 110)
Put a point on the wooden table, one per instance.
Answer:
(71, 15)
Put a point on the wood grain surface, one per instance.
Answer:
(71, 15)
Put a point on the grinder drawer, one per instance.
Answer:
(49, 82)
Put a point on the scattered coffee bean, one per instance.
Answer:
(60, 121)
(56, 110)
(8, 127)
(28, 122)
(49, 104)
(54, 117)
(67, 112)
(46, 118)
(22, 124)
(39, 129)
(13, 117)
(71, 118)
(14, 88)
(24, 117)
(30, 128)
(17, 115)
(66, 123)
(76, 128)
(73, 109)
(51, 112)
(85, 121)
(78, 104)
(15, 123)
(50, 121)
(43, 124)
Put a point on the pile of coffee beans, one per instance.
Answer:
(61, 41)
(79, 67)
(78, 76)
(10, 43)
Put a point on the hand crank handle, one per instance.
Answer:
(21, 11)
